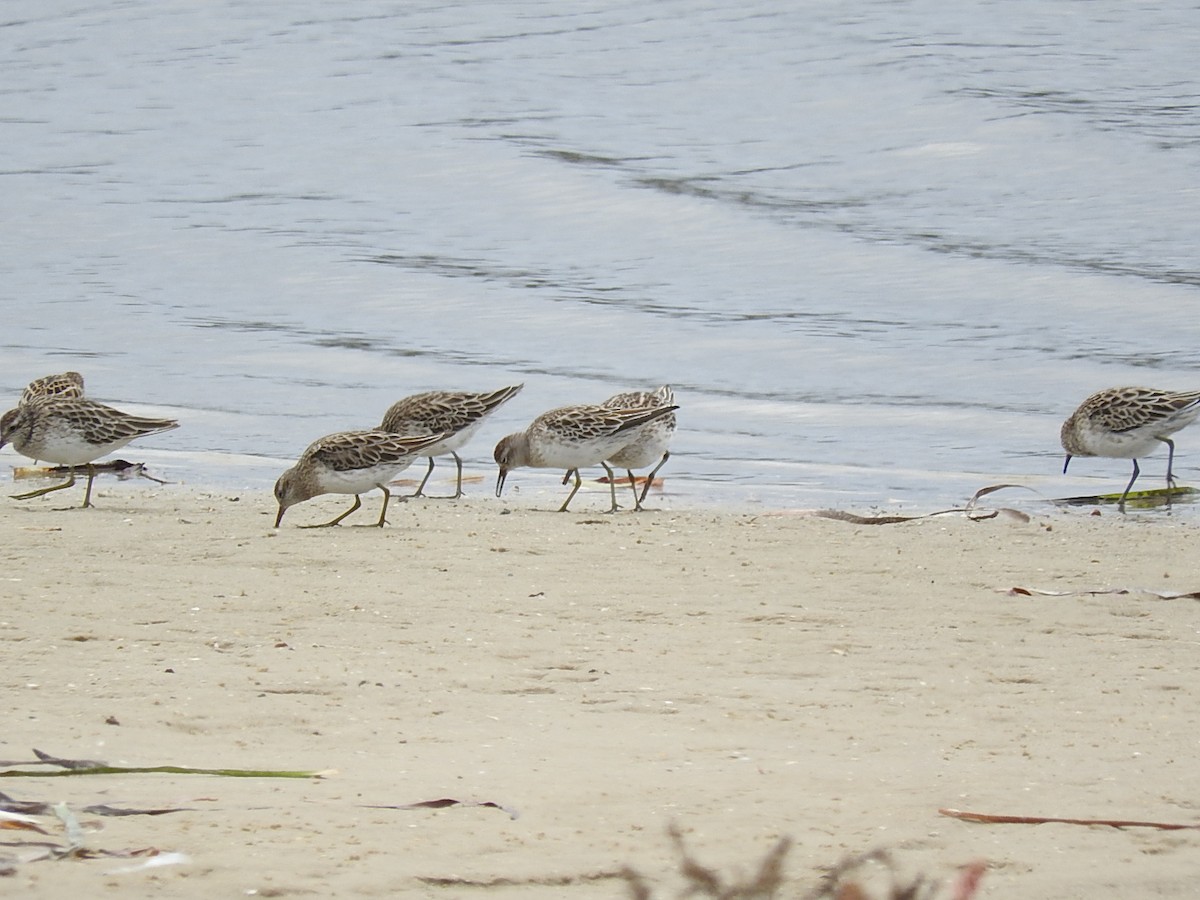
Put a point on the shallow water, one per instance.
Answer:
(879, 249)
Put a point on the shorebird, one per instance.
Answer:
(1128, 423)
(457, 413)
(72, 431)
(652, 440)
(349, 462)
(67, 385)
(571, 437)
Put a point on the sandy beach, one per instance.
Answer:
(594, 679)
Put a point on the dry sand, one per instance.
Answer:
(603, 676)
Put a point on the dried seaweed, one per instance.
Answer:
(122, 468)
(994, 819)
(531, 881)
(444, 802)
(972, 511)
(95, 767)
(9, 806)
(1093, 592)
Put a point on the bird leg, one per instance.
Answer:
(1121, 502)
(387, 495)
(612, 486)
(650, 477)
(458, 482)
(574, 490)
(458, 491)
(637, 501)
(29, 495)
(428, 472)
(87, 495)
(1170, 462)
(338, 520)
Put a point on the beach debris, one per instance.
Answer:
(840, 515)
(30, 808)
(71, 826)
(1140, 499)
(977, 513)
(444, 802)
(95, 767)
(991, 489)
(93, 853)
(414, 482)
(972, 511)
(994, 819)
(12, 821)
(443, 881)
(122, 468)
(1093, 592)
(103, 809)
(638, 480)
(173, 858)
(75, 846)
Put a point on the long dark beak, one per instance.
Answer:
(500, 480)
(1066, 463)
(279, 516)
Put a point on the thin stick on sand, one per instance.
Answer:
(989, 818)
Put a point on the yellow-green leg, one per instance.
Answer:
(338, 520)
(29, 495)
(574, 490)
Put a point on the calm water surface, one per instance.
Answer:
(880, 249)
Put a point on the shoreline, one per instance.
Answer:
(1033, 495)
(740, 676)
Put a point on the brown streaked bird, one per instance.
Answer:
(571, 437)
(1129, 423)
(73, 432)
(349, 462)
(651, 444)
(457, 413)
(68, 385)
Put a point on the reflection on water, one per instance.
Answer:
(879, 256)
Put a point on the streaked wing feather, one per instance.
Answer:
(1142, 407)
(348, 450)
(445, 411)
(100, 424)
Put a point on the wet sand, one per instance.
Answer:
(601, 677)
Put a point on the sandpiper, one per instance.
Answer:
(72, 431)
(349, 462)
(651, 442)
(1128, 423)
(457, 413)
(571, 437)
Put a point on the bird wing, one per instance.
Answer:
(348, 450)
